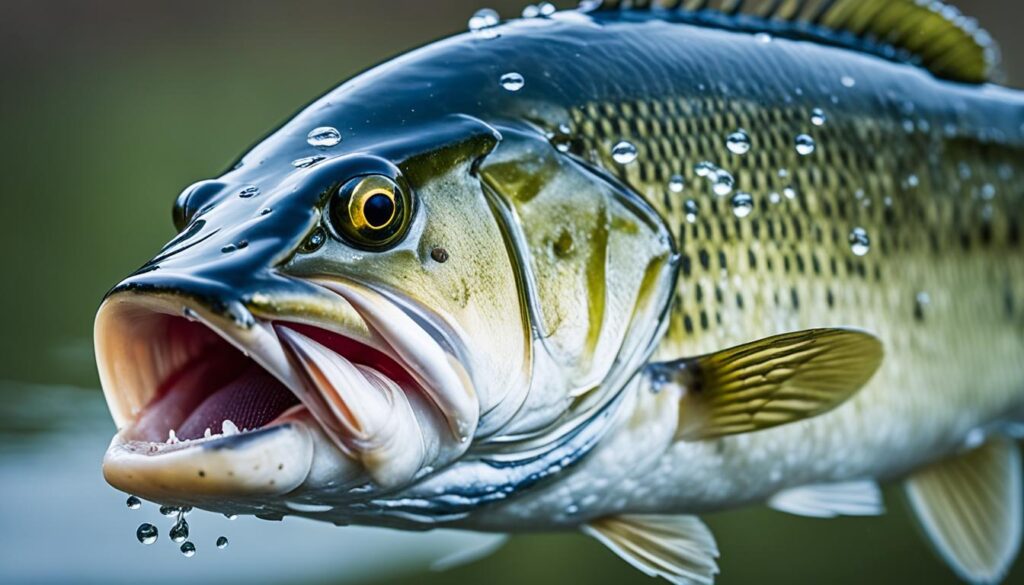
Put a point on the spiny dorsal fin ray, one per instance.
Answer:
(928, 33)
(679, 549)
(769, 382)
(970, 508)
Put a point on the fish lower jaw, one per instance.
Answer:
(267, 462)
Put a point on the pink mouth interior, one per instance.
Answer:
(218, 384)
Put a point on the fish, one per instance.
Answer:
(605, 270)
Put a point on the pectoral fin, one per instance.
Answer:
(970, 508)
(679, 549)
(770, 382)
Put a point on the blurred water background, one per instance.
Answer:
(107, 110)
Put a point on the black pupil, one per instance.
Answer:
(378, 210)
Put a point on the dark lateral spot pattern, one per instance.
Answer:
(791, 257)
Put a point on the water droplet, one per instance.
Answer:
(188, 549)
(314, 241)
(483, 18)
(572, 510)
(704, 169)
(676, 184)
(818, 117)
(561, 138)
(988, 191)
(531, 11)
(774, 198)
(133, 503)
(624, 153)
(738, 142)
(923, 299)
(512, 81)
(222, 542)
(229, 249)
(546, 8)
(323, 137)
(804, 145)
(913, 181)
(848, 81)
(306, 162)
(249, 191)
(790, 193)
(742, 205)
(860, 243)
(179, 531)
(723, 183)
(691, 209)
(147, 533)
(763, 37)
(265, 211)
(168, 510)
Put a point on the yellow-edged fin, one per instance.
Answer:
(929, 33)
(970, 508)
(679, 549)
(770, 382)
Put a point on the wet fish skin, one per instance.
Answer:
(567, 271)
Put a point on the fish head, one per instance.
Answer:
(315, 328)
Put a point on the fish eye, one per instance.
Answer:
(370, 212)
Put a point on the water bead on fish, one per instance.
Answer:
(691, 209)
(188, 549)
(133, 503)
(531, 11)
(231, 516)
(742, 205)
(249, 191)
(546, 8)
(168, 511)
(624, 153)
(306, 162)
(704, 169)
(323, 137)
(738, 142)
(818, 117)
(763, 38)
(512, 81)
(146, 533)
(483, 19)
(805, 145)
(222, 542)
(774, 198)
(860, 243)
(723, 183)
(676, 184)
(848, 81)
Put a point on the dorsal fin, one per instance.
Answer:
(928, 33)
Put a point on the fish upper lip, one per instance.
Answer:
(130, 382)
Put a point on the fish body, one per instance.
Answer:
(602, 270)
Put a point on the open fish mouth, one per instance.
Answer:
(208, 406)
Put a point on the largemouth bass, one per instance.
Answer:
(605, 269)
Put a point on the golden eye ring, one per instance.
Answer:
(370, 212)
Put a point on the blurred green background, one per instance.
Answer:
(107, 110)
